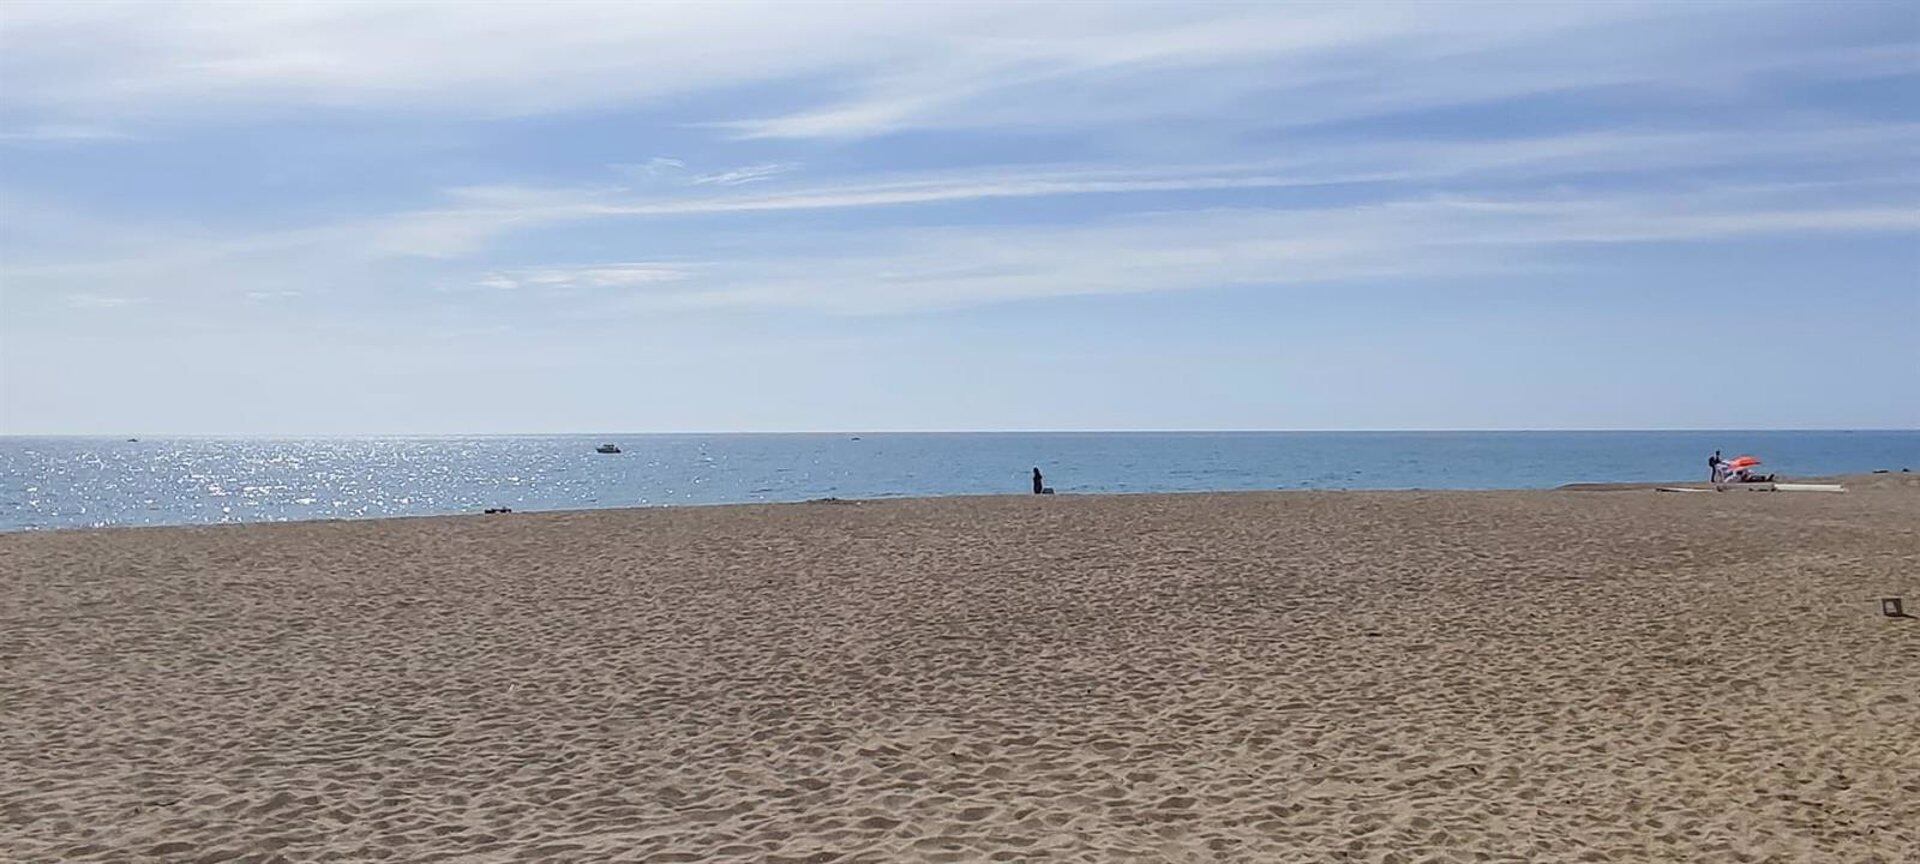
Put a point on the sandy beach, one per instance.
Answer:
(1373, 677)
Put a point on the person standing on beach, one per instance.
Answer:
(1713, 467)
(1037, 486)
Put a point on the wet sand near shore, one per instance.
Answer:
(1365, 676)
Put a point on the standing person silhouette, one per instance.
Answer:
(1037, 485)
(1714, 470)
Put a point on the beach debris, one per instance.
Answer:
(491, 510)
(1892, 608)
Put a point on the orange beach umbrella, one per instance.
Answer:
(1743, 462)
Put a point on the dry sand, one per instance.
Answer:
(1537, 676)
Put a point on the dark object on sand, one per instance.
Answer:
(1891, 607)
(499, 510)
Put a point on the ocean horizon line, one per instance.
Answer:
(908, 498)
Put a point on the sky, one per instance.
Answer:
(330, 219)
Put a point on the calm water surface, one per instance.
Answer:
(80, 482)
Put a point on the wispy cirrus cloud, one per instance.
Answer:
(61, 132)
(917, 270)
(86, 300)
(653, 168)
(746, 174)
(1282, 68)
(1070, 69)
(475, 218)
(918, 66)
(909, 270)
(611, 275)
(488, 213)
(495, 59)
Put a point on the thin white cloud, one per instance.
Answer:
(878, 270)
(492, 282)
(491, 59)
(655, 168)
(1065, 68)
(101, 301)
(476, 217)
(480, 216)
(745, 174)
(921, 270)
(62, 132)
(454, 231)
(901, 270)
(1300, 66)
(616, 275)
(872, 69)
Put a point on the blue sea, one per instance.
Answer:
(84, 482)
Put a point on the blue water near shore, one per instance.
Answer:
(81, 482)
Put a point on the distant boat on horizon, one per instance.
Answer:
(606, 448)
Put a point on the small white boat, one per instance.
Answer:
(606, 448)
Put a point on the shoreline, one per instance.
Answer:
(1863, 480)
